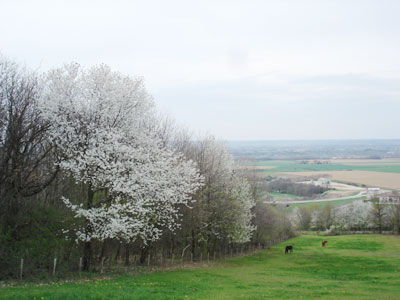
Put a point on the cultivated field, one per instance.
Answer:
(259, 167)
(369, 178)
(349, 267)
(383, 173)
(277, 166)
(367, 162)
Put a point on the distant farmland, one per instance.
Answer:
(374, 165)
(369, 162)
(371, 172)
(378, 179)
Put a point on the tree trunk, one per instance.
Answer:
(143, 254)
(127, 254)
(103, 251)
(87, 248)
(118, 252)
(398, 228)
(193, 243)
(87, 255)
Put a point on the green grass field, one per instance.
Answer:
(284, 196)
(349, 267)
(333, 203)
(295, 166)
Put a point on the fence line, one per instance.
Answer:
(153, 259)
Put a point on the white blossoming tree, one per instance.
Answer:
(225, 200)
(353, 216)
(239, 203)
(99, 126)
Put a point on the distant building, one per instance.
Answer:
(389, 199)
(373, 190)
(323, 182)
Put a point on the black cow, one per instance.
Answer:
(289, 249)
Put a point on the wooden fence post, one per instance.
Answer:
(21, 269)
(208, 257)
(54, 266)
(80, 264)
(102, 265)
(148, 260)
(201, 257)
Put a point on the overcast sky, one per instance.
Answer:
(241, 70)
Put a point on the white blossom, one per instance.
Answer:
(226, 197)
(98, 122)
(355, 215)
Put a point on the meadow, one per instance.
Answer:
(283, 196)
(384, 173)
(334, 203)
(372, 165)
(349, 267)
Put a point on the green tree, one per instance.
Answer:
(377, 214)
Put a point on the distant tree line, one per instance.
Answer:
(89, 170)
(287, 186)
(360, 215)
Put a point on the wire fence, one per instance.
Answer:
(60, 267)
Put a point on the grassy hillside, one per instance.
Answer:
(349, 267)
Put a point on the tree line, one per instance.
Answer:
(360, 215)
(287, 186)
(89, 169)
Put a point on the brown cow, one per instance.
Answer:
(324, 243)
